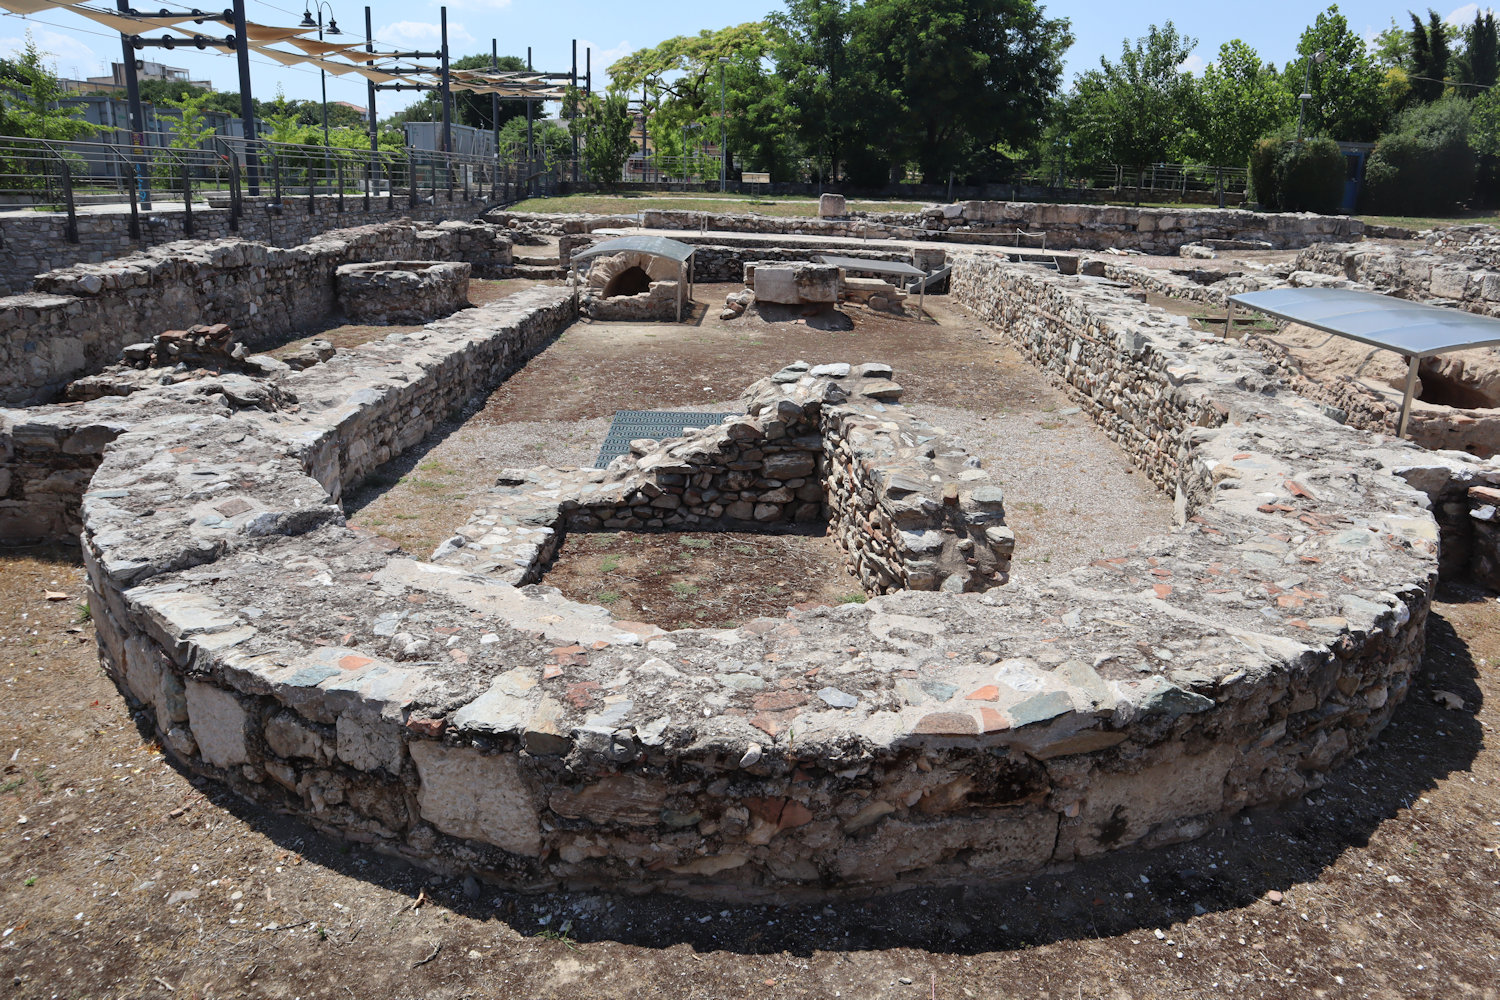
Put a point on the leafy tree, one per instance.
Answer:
(29, 96)
(603, 125)
(1479, 63)
(548, 136)
(1135, 110)
(1429, 57)
(1289, 176)
(1348, 90)
(1392, 47)
(963, 74)
(1239, 99)
(1426, 163)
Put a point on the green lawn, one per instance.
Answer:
(790, 206)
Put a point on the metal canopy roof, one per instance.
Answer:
(1410, 328)
(656, 246)
(873, 266)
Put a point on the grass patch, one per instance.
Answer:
(684, 589)
(791, 206)
(610, 564)
(695, 543)
(1431, 221)
(857, 598)
(607, 597)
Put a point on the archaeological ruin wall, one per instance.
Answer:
(445, 716)
(77, 319)
(36, 242)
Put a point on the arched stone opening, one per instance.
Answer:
(631, 281)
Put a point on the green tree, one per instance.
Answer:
(1348, 90)
(1426, 163)
(1392, 47)
(1238, 100)
(29, 100)
(603, 126)
(1429, 57)
(1479, 63)
(1136, 110)
(548, 136)
(963, 74)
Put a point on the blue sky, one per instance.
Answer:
(81, 48)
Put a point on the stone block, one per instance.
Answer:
(219, 724)
(832, 206)
(467, 794)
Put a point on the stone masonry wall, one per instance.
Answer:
(920, 738)
(48, 454)
(816, 443)
(33, 243)
(1463, 275)
(78, 318)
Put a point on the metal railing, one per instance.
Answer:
(222, 172)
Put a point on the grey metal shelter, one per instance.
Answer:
(655, 246)
(892, 268)
(1410, 328)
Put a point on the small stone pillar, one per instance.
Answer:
(831, 206)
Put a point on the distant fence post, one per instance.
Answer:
(70, 230)
(135, 212)
(187, 199)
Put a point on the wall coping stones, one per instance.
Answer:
(920, 738)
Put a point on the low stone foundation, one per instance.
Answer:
(79, 318)
(389, 292)
(816, 444)
(921, 738)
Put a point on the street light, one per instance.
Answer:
(1306, 95)
(723, 130)
(333, 29)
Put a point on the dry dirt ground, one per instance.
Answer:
(122, 877)
(1070, 493)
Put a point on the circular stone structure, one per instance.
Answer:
(441, 714)
(391, 292)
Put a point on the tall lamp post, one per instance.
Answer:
(333, 29)
(723, 130)
(1306, 95)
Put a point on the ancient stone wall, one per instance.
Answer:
(1462, 274)
(920, 738)
(816, 443)
(78, 318)
(389, 292)
(33, 243)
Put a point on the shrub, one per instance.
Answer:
(1297, 177)
(1425, 164)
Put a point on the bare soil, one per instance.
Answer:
(122, 877)
(702, 579)
(349, 335)
(1071, 494)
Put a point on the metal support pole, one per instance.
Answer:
(70, 230)
(135, 217)
(573, 82)
(1411, 391)
(236, 206)
(247, 103)
(723, 131)
(187, 199)
(338, 167)
(645, 140)
(495, 105)
(374, 128)
(137, 115)
(447, 90)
